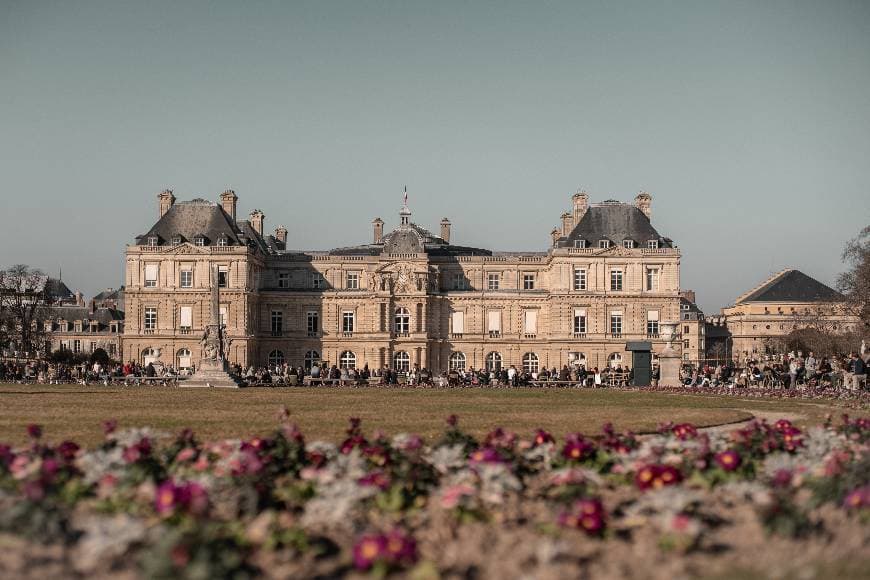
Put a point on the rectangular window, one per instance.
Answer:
(317, 281)
(652, 323)
(312, 323)
(652, 279)
(459, 281)
(685, 344)
(493, 280)
(579, 279)
(530, 322)
(223, 276)
(222, 242)
(652, 244)
(283, 279)
(77, 346)
(616, 324)
(348, 321)
(493, 322)
(112, 350)
(152, 241)
(223, 315)
(352, 281)
(150, 275)
(185, 317)
(199, 241)
(186, 277)
(686, 329)
(457, 323)
(277, 323)
(528, 281)
(150, 318)
(628, 244)
(616, 279)
(93, 346)
(579, 243)
(579, 321)
(603, 244)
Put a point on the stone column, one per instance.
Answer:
(669, 359)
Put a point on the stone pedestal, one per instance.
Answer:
(211, 374)
(669, 368)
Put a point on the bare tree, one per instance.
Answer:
(855, 282)
(23, 297)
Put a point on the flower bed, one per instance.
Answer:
(766, 497)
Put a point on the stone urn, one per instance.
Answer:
(668, 331)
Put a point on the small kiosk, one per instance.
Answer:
(641, 362)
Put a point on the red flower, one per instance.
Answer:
(34, 431)
(728, 460)
(657, 476)
(577, 448)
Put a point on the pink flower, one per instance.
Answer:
(186, 454)
(189, 497)
(684, 431)
(368, 550)
(454, 495)
(394, 549)
(109, 427)
(728, 460)
(858, 498)
(542, 437)
(377, 479)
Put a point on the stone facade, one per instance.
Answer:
(408, 298)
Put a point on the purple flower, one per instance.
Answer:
(484, 455)
(577, 448)
(401, 548)
(377, 479)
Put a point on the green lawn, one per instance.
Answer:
(77, 412)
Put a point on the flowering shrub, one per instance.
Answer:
(180, 507)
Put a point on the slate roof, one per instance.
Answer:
(71, 313)
(410, 239)
(791, 286)
(614, 221)
(200, 217)
(57, 290)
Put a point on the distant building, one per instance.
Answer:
(409, 297)
(692, 328)
(787, 301)
(72, 326)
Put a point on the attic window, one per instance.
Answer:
(222, 241)
(604, 244)
(652, 244)
(152, 240)
(579, 243)
(628, 244)
(176, 240)
(199, 240)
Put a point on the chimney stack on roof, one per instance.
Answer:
(378, 230)
(228, 202)
(643, 202)
(257, 218)
(166, 200)
(567, 224)
(281, 234)
(445, 230)
(581, 205)
(555, 235)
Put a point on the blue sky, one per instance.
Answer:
(748, 122)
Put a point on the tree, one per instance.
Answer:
(855, 282)
(22, 308)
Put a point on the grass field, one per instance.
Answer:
(76, 412)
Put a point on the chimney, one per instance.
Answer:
(281, 234)
(257, 218)
(581, 204)
(567, 224)
(445, 230)
(555, 235)
(166, 201)
(689, 295)
(643, 202)
(228, 202)
(378, 230)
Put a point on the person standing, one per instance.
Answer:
(859, 371)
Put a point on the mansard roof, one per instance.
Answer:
(57, 291)
(614, 221)
(72, 313)
(202, 218)
(791, 286)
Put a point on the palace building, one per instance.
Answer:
(408, 297)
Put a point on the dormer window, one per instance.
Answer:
(628, 244)
(579, 243)
(652, 244)
(152, 241)
(222, 241)
(199, 240)
(603, 244)
(176, 240)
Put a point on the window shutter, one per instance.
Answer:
(652, 315)
(186, 316)
(531, 322)
(151, 271)
(458, 323)
(494, 317)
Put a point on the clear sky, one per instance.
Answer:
(748, 122)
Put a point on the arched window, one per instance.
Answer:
(149, 355)
(276, 357)
(614, 360)
(312, 357)
(402, 321)
(493, 362)
(347, 360)
(183, 359)
(530, 362)
(457, 361)
(402, 361)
